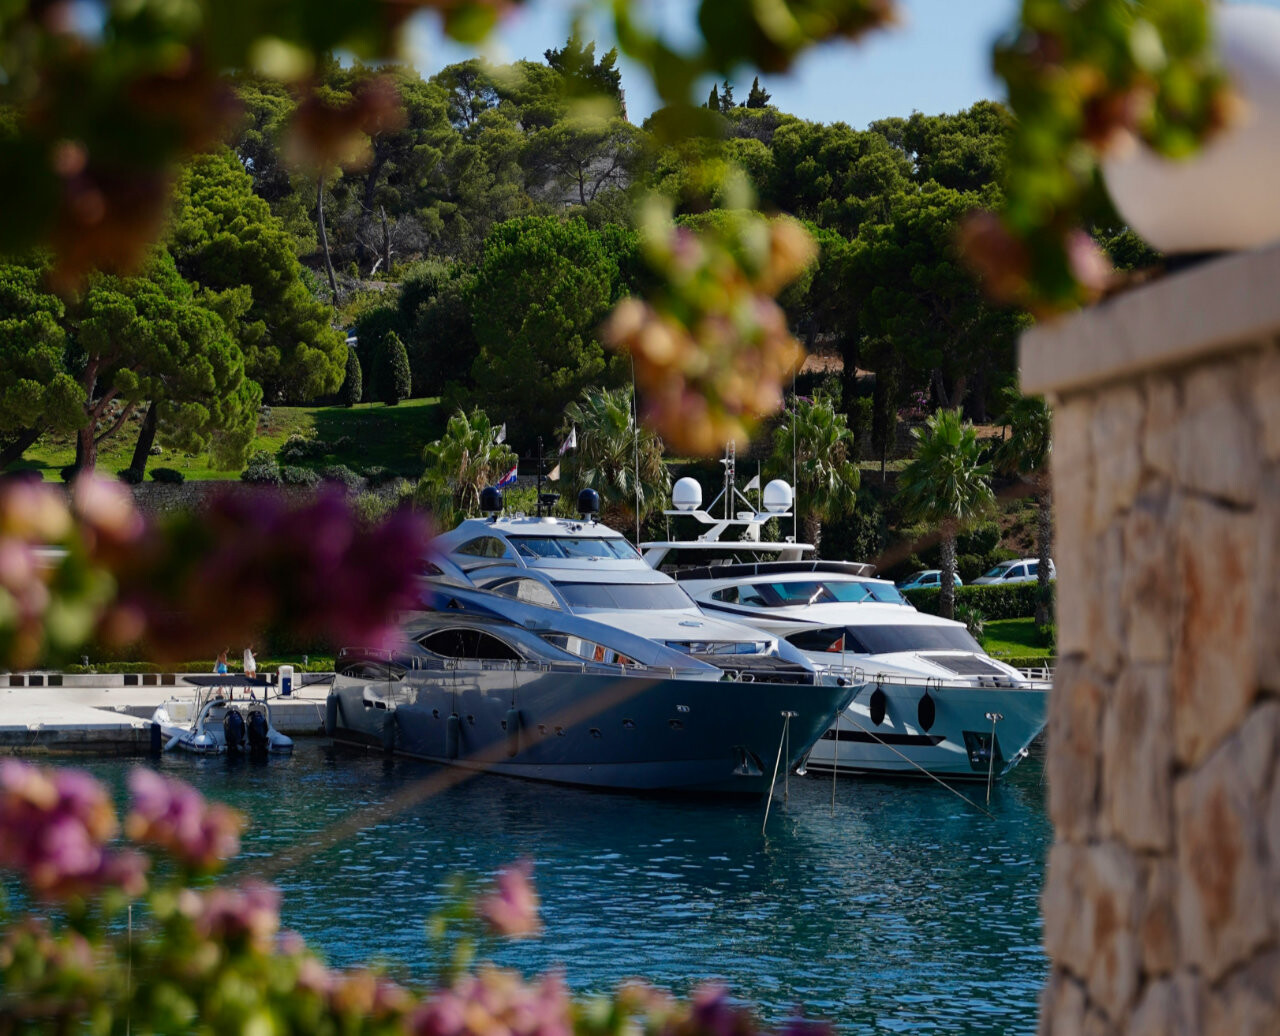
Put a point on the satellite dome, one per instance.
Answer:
(588, 502)
(490, 500)
(686, 494)
(777, 496)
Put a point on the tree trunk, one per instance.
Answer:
(146, 436)
(21, 442)
(386, 242)
(947, 588)
(813, 530)
(86, 448)
(1044, 538)
(324, 238)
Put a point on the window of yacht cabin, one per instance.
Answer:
(624, 596)
(885, 640)
(574, 547)
(464, 642)
(528, 590)
(484, 547)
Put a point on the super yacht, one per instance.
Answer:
(930, 700)
(547, 649)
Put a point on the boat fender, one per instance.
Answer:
(878, 704)
(156, 746)
(389, 733)
(926, 712)
(233, 730)
(452, 735)
(331, 706)
(513, 732)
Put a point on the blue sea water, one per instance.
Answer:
(903, 911)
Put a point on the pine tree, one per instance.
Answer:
(758, 97)
(393, 371)
(726, 97)
(713, 99)
(353, 387)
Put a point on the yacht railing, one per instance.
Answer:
(937, 683)
(1042, 672)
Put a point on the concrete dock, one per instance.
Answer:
(110, 714)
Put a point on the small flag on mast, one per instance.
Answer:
(501, 437)
(509, 479)
(753, 484)
(570, 443)
(554, 476)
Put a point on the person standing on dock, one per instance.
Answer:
(250, 664)
(220, 666)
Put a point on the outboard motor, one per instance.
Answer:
(233, 731)
(258, 740)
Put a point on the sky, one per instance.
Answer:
(938, 59)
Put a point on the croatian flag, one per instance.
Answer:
(509, 479)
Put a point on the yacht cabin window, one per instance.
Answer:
(484, 547)
(464, 642)
(528, 590)
(885, 640)
(575, 547)
(801, 592)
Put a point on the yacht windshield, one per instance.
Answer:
(574, 547)
(624, 596)
(885, 640)
(800, 592)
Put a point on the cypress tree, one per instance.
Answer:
(353, 387)
(713, 99)
(758, 97)
(393, 381)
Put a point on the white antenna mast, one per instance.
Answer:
(635, 425)
(795, 480)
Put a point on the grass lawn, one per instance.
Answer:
(1014, 638)
(364, 436)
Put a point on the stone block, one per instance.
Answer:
(1266, 401)
(1247, 1003)
(1159, 429)
(1217, 452)
(1073, 765)
(1214, 658)
(1109, 909)
(1062, 1006)
(1137, 760)
(1266, 576)
(1066, 940)
(1105, 616)
(1072, 468)
(1158, 916)
(1222, 869)
(1149, 594)
(1166, 1008)
(1116, 445)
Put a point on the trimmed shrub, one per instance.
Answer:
(133, 476)
(172, 476)
(299, 448)
(292, 475)
(377, 475)
(393, 381)
(262, 470)
(1016, 601)
(340, 474)
(353, 386)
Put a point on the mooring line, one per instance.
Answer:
(931, 776)
(786, 729)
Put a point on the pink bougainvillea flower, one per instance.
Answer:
(512, 907)
(176, 817)
(495, 1002)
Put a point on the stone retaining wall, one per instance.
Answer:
(1162, 896)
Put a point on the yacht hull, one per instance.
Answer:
(898, 735)
(623, 732)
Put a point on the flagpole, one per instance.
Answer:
(539, 489)
(635, 427)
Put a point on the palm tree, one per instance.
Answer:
(605, 459)
(460, 463)
(822, 444)
(1026, 454)
(946, 485)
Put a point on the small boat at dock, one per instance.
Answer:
(215, 722)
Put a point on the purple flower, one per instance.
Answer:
(54, 826)
(512, 907)
(494, 1002)
(176, 817)
(245, 915)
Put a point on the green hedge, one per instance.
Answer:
(1016, 601)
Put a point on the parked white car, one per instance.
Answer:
(1021, 570)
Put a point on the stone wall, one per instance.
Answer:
(1162, 896)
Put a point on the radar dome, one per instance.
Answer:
(777, 496)
(686, 494)
(490, 500)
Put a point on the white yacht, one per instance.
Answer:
(933, 701)
(547, 649)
